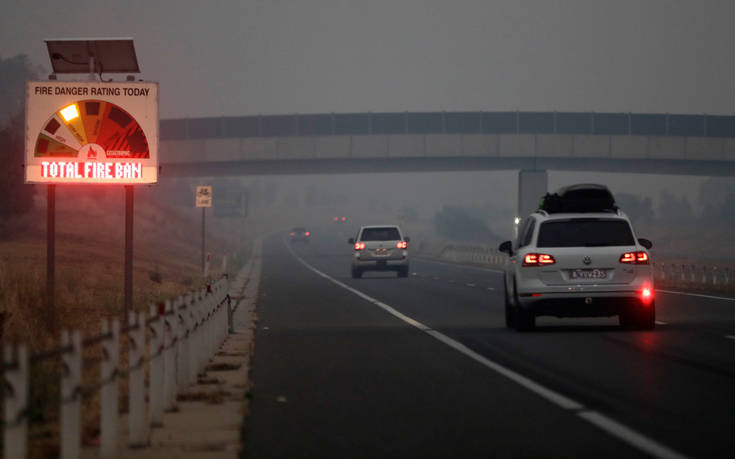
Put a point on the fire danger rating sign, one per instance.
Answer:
(91, 132)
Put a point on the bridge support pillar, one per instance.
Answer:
(532, 185)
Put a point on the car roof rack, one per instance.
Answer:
(580, 198)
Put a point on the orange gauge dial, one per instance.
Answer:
(92, 127)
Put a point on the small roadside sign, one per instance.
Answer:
(204, 196)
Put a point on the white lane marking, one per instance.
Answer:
(658, 322)
(629, 435)
(470, 285)
(491, 288)
(730, 336)
(697, 294)
(599, 420)
(554, 397)
(456, 265)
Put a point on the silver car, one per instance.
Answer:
(578, 265)
(380, 248)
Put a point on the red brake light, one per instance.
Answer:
(291, 234)
(538, 259)
(343, 219)
(401, 244)
(646, 295)
(636, 258)
(307, 233)
(546, 259)
(359, 245)
(336, 218)
(530, 259)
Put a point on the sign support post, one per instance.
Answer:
(203, 199)
(50, 255)
(204, 219)
(129, 208)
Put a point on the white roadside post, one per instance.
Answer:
(169, 360)
(155, 390)
(109, 389)
(191, 317)
(184, 348)
(15, 401)
(71, 403)
(201, 341)
(136, 389)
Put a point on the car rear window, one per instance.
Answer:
(380, 234)
(585, 233)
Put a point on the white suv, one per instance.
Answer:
(380, 248)
(581, 264)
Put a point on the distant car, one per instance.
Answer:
(380, 248)
(299, 234)
(578, 256)
(340, 219)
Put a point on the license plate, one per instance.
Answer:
(588, 274)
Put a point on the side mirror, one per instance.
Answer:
(407, 239)
(351, 240)
(645, 243)
(506, 247)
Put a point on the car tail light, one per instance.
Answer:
(307, 233)
(402, 244)
(538, 259)
(646, 295)
(359, 245)
(635, 258)
(343, 219)
(336, 218)
(291, 234)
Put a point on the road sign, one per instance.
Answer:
(204, 196)
(91, 132)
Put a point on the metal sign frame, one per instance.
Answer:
(92, 132)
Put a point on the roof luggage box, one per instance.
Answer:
(587, 197)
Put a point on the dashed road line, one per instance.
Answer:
(612, 427)
(658, 322)
(469, 285)
(730, 336)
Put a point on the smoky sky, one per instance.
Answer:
(247, 57)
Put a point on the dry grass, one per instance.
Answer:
(89, 281)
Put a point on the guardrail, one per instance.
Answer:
(685, 275)
(666, 273)
(183, 335)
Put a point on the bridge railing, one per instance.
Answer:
(640, 124)
(172, 344)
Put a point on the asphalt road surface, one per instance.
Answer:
(424, 367)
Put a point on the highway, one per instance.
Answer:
(424, 367)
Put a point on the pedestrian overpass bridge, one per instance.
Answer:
(531, 142)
